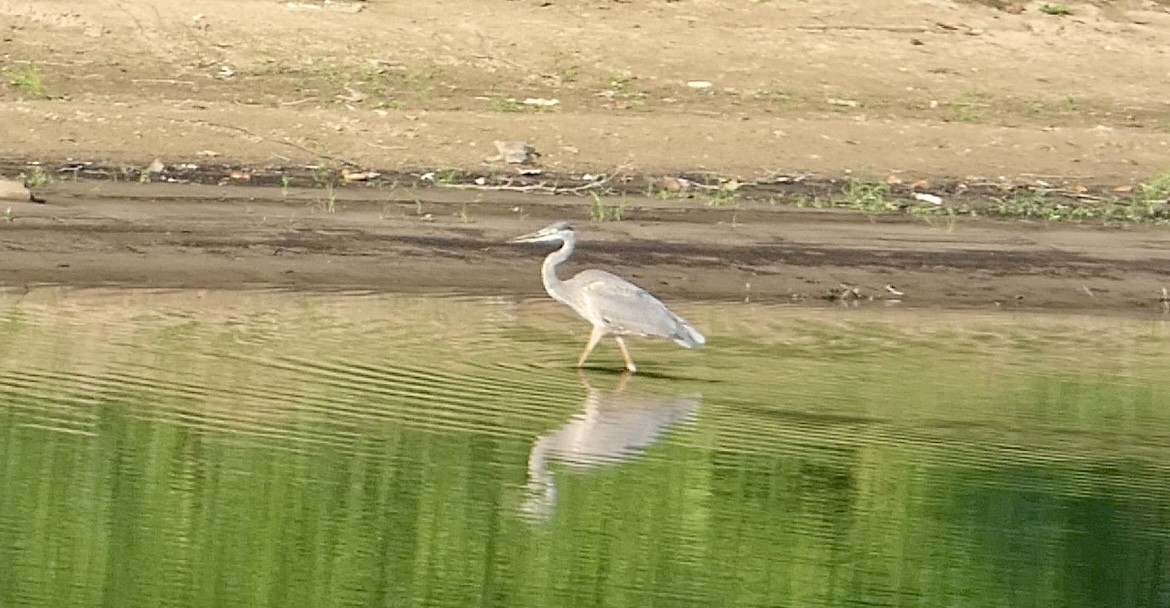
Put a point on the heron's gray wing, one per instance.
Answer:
(625, 307)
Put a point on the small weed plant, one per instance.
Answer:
(29, 82)
(601, 212)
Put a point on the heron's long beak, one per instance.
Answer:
(531, 237)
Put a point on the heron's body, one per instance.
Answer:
(612, 304)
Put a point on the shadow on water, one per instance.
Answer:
(642, 373)
(611, 427)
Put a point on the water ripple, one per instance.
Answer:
(446, 451)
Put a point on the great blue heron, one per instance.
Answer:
(612, 304)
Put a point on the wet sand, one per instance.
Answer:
(180, 236)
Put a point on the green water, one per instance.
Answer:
(235, 449)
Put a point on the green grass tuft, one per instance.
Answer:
(1059, 10)
(870, 198)
(601, 212)
(28, 81)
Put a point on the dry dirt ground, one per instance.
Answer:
(928, 90)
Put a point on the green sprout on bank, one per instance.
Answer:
(29, 82)
(35, 178)
(722, 197)
(1156, 189)
(508, 105)
(330, 198)
(322, 176)
(601, 212)
(621, 86)
(869, 198)
(1027, 204)
(1151, 203)
(391, 104)
(327, 179)
(943, 217)
(447, 177)
(1058, 10)
(965, 113)
(618, 83)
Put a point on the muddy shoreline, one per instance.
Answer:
(166, 236)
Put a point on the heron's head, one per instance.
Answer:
(560, 231)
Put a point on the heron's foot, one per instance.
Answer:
(626, 355)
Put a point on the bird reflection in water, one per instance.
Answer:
(613, 426)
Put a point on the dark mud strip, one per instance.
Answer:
(794, 186)
(91, 238)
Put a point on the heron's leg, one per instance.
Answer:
(594, 338)
(626, 355)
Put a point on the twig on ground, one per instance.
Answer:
(208, 123)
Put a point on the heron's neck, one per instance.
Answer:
(548, 271)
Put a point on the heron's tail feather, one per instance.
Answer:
(687, 336)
